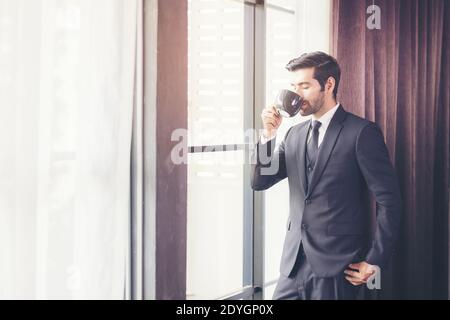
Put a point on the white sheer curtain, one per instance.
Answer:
(66, 101)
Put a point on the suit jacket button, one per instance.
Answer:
(304, 226)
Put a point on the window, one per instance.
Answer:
(216, 180)
(226, 97)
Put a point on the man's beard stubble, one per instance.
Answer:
(314, 107)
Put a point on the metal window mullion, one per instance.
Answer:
(250, 2)
(249, 34)
(246, 293)
(147, 235)
(216, 148)
(259, 103)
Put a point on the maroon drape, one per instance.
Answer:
(398, 76)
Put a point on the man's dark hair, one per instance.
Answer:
(324, 65)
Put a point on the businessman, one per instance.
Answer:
(329, 161)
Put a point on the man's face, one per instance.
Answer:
(304, 84)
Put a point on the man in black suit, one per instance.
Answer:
(329, 161)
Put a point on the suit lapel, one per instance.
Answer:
(303, 132)
(328, 143)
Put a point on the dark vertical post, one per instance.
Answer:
(171, 179)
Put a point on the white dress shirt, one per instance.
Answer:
(324, 120)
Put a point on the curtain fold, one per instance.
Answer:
(398, 76)
(137, 168)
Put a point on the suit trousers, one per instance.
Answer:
(302, 284)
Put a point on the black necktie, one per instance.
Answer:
(313, 144)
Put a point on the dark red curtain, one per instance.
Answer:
(398, 76)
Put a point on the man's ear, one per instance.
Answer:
(330, 84)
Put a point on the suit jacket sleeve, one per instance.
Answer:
(268, 164)
(375, 165)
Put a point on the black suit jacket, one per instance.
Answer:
(331, 218)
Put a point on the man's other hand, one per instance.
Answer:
(359, 273)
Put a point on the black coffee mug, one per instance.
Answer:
(288, 103)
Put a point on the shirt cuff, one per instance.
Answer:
(264, 140)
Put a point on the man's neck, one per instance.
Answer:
(326, 107)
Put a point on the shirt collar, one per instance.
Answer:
(326, 118)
